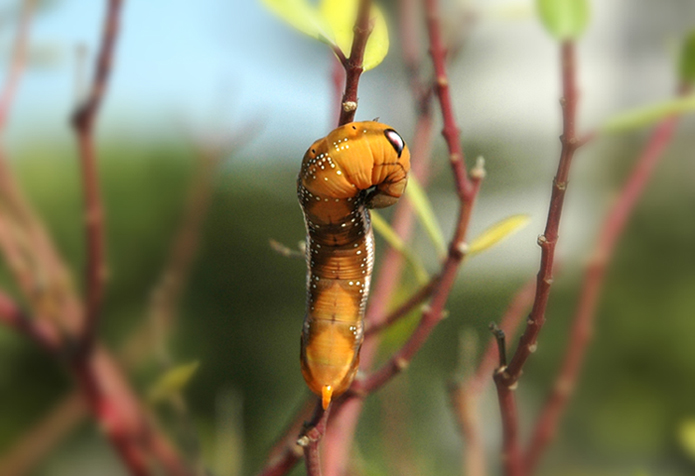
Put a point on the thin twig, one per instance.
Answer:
(580, 334)
(506, 378)
(83, 122)
(353, 64)
(548, 240)
(311, 437)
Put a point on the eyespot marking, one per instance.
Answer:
(395, 140)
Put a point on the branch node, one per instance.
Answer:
(304, 441)
(533, 348)
(349, 106)
(463, 248)
(442, 82)
(542, 240)
(401, 364)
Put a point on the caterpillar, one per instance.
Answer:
(357, 166)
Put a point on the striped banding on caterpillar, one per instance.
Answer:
(357, 166)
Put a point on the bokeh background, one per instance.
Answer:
(187, 73)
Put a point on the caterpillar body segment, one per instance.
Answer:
(357, 166)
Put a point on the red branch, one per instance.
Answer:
(83, 121)
(581, 332)
(353, 65)
(311, 437)
(506, 378)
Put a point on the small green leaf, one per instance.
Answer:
(648, 115)
(687, 59)
(172, 382)
(341, 15)
(564, 19)
(303, 16)
(425, 213)
(686, 436)
(497, 233)
(389, 234)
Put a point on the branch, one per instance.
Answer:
(401, 311)
(353, 64)
(465, 188)
(613, 226)
(83, 122)
(506, 377)
(548, 240)
(311, 437)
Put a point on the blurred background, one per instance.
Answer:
(189, 73)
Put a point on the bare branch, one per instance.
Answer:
(582, 326)
(353, 64)
(83, 121)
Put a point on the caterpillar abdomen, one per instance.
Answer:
(357, 166)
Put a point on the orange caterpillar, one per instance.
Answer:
(358, 166)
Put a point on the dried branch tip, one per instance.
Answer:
(479, 172)
(501, 343)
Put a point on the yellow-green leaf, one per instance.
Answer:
(425, 213)
(304, 16)
(497, 233)
(172, 382)
(341, 15)
(648, 115)
(564, 19)
(389, 234)
(686, 436)
(687, 59)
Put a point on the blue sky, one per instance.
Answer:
(180, 64)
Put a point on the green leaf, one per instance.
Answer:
(425, 213)
(687, 59)
(172, 382)
(564, 19)
(648, 115)
(340, 15)
(686, 436)
(496, 233)
(389, 234)
(303, 16)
